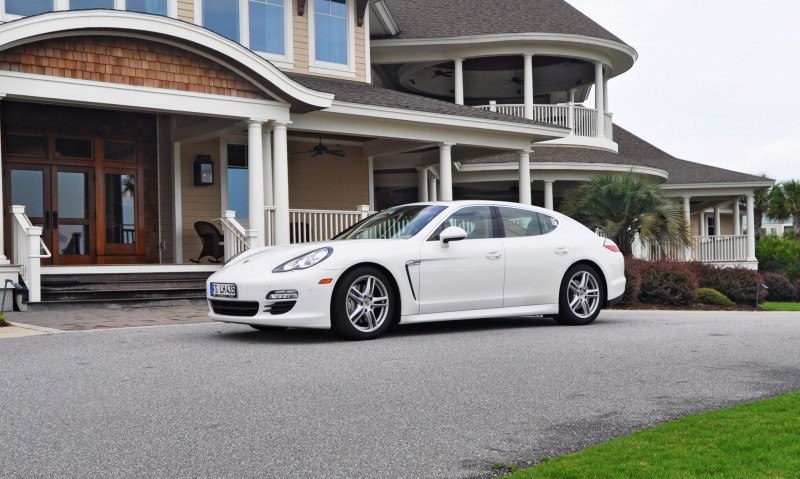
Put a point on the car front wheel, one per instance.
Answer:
(581, 296)
(363, 304)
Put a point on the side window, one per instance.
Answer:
(518, 223)
(475, 220)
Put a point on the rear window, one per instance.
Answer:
(519, 223)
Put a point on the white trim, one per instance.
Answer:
(129, 269)
(744, 184)
(618, 56)
(371, 181)
(71, 91)
(566, 166)
(177, 204)
(326, 68)
(156, 28)
(367, 47)
(385, 18)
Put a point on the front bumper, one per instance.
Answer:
(311, 309)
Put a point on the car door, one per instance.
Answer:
(467, 274)
(538, 255)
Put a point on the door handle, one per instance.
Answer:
(55, 220)
(47, 220)
(494, 255)
(561, 251)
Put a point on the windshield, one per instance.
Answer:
(400, 222)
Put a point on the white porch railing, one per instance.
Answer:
(29, 250)
(581, 120)
(706, 249)
(236, 238)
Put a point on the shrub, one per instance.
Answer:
(633, 283)
(667, 283)
(779, 255)
(738, 284)
(712, 297)
(780, 288)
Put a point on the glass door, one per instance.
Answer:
(73, 214)
(28, 186)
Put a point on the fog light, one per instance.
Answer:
(282, 294)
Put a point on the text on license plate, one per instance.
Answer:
(227, 290)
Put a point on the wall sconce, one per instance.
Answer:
(203, 171)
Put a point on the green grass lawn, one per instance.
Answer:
(775, 306)
(755, 440)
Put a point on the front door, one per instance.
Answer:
(60, 200)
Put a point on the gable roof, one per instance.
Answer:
(458, 18)
(633, 151)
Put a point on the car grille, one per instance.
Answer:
(235, 308)
(281, 307)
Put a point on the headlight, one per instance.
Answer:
(306, 261)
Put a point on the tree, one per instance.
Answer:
(784, 203)
(625, 205)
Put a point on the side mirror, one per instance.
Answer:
(452, 233)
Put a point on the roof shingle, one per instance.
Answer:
(458, 18)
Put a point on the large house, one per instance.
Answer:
(126, 124)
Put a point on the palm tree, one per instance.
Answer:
(625, 205)
(784, 203)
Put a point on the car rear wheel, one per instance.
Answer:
(267, 329)
(363, 304)
(581, 296)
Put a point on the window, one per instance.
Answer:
(73, 148)
(25, 145)
(238, 186)
(120, 208)
(118, 151)
(519, 223)
(331, 31)
(84, 4)
(158, 7)
(28, 7)
(222, 16)
(475, 220)
(267, 26)
(710, 226)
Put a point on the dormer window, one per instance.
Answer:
(86, 4)
(222, 16)
(13, 9)
(157, 7)
(332, 37)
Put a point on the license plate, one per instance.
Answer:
(225, 290)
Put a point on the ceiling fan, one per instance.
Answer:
(516, 79)
(441, 73)
(321, 149)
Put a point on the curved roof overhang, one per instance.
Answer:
(618, 56)
(166, 30)
(556, 170)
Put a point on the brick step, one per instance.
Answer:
(124, 285)
(116, 295)
(115, 304)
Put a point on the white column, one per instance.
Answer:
(605, 94)
(459, 77)
(432, 196)
(255, 181)
(737, 218)
(599, 99)
(3, 259)
(548, 194)
(528, 85)
(446, 171)
(266, 146)
(177, 204)
(751, 230)
(280, 176)
(703, 223)
(717, 222)
(571, 112)
(371, 182)
(687, 215)
(422, 184)
(525, 177)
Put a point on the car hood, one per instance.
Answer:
(259, 261)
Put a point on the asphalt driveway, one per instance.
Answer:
(429, 401)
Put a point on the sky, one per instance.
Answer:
(714, 82)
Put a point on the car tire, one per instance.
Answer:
(581, 296)
(268, 329)
(363, 304)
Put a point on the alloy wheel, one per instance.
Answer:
(583, 295)
(367, 305)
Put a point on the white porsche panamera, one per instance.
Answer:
(425, 262)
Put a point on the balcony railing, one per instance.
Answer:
(580, 120)
(706, 249)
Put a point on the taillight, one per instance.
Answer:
(610, 245)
